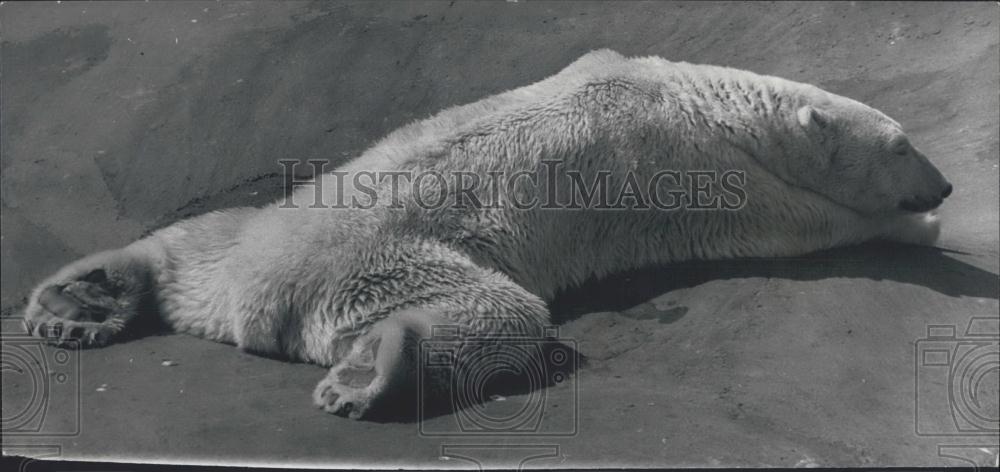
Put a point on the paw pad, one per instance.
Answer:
(80, 311)
(341, 400)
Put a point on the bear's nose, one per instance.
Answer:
(946, 192)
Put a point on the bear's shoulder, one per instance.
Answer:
(596, 62)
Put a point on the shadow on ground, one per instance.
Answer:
(926, 267)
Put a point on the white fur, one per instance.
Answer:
(306, 283)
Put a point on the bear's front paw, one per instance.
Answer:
(921, 229)
(335, 397)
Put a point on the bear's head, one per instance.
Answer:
(860, 158)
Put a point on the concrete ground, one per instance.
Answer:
(120, 117)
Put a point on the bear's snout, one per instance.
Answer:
(922, 203)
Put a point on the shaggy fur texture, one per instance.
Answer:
(347, 287)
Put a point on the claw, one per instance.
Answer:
(341, 400)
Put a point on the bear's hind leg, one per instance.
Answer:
(94, 300)
(443, 298)
(384, 365)
(381, 361)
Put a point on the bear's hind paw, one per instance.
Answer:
(81, 311)
(61, 332)
(342, 400)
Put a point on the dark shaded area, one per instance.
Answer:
(927, 267)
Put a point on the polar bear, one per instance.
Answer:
(352, 286)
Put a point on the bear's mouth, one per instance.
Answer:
(920, 204)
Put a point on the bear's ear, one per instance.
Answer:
(809, 117)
